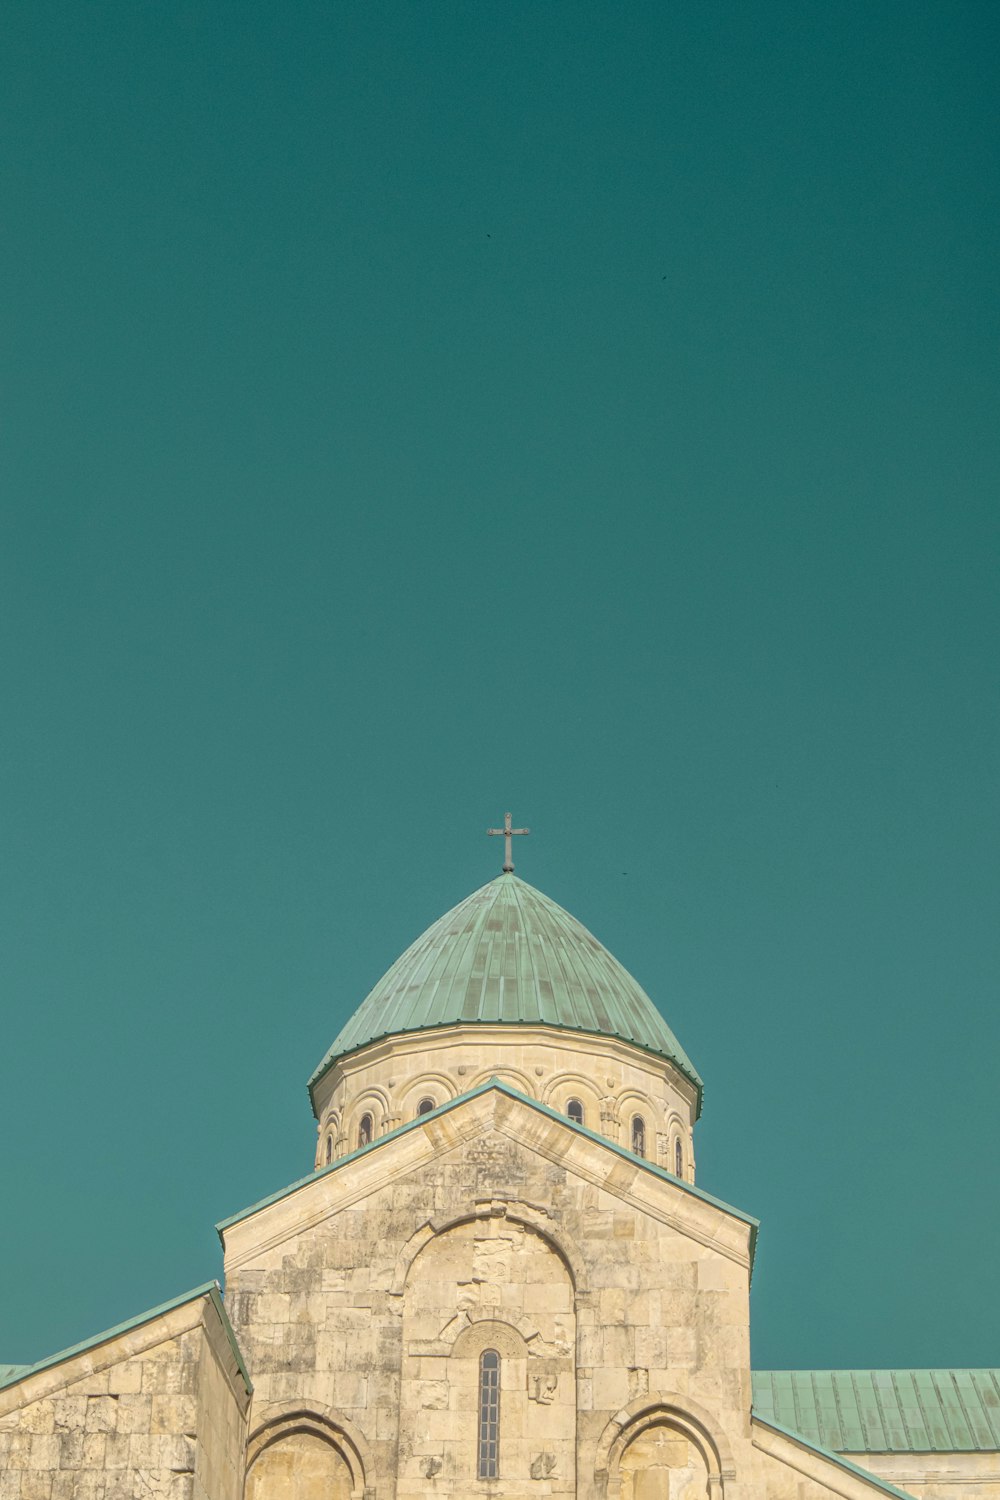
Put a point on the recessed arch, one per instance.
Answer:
(632, 1101)
(518, 1213)
(288, 1420)
(429, 1081)
(513, 1076)
(563, 1084)
(688, 1417)
(372, 1097)
(490, 1333)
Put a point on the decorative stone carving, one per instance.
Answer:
(543, 1379)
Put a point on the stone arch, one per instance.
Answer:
(514, 1076)
(490, 1333)
(518, 1213)
(682, 1415)
(487, 1282)
(327, 1445)
(430, 1082)
(328, 1131)
(569, 1085)
(371, 1101)
(371, 1098)
(632, 1101)
(678, 1129)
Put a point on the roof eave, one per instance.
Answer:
(328, 1062)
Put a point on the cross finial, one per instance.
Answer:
(508, 834)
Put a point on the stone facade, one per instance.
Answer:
(612, 1082)
(500, 1280)
(616, 1298)
(157, 1410)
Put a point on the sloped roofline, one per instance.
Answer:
(543, 1109)
(209, 1289)
(833, 1458)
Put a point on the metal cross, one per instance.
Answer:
(508, 834)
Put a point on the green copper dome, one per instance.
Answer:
(508, 954)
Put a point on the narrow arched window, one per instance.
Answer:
(574, 1111)
(329, 1149)
(488, 1456)
(425, 1106)
(638, 1135)
(365, 1131)
(678, 1158)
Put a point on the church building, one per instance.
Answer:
(500, 1277)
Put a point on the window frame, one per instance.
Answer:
(488, 1423)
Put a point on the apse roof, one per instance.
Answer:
(509, 954)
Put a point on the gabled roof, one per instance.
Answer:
(884, 1411)
(209, 1289)
(508, 954)
(452, 1104)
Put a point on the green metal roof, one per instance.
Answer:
(885, 1411)
(11, 1374)
(846, 1464)
(509, 954)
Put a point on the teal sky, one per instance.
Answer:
(414, 411)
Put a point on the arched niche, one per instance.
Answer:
(486, 1286)
(303, 1455)
(659, 1449)
(560, 1243)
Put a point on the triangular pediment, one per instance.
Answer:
(493, 1108)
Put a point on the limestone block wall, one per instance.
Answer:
(787, 1469)
(159, 1411)
(366, 1299)
(616, 1300)
(613, 1083)
(937, 1476)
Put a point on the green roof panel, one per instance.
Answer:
(509, 954)
(884, 1411)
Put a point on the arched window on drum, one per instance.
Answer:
(678, 1158)
(574, 1111)
(366, 1131)
(638, 1135)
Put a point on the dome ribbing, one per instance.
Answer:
(509, 955)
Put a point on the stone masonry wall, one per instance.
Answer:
(162, 1422)
(323, 1315)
